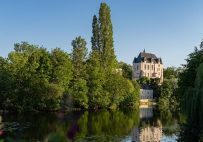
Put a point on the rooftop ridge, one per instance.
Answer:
(146, 55)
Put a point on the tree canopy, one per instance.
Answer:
(33, 78)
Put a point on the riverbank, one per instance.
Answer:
(36, 111)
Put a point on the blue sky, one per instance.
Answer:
(168, 28)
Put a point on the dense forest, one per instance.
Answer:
(33, 78)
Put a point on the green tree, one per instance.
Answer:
(168, 97)
(106, 36)
(61, 68)
(122, 92)
(34, 78)
(97, 95)
(78, 84)
(144, 81)
(171, 72)
(96, 40)
(126, 70)
(131, 100)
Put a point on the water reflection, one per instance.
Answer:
(139, 125)
(146, 112)
(148, 129)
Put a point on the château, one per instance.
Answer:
(147, 65)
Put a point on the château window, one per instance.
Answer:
(152, 67)
(145, 67)
(137, 67)
(148, 67)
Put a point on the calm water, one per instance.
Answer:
(145, 124)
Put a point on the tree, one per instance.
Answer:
(95, 40)
(97, 96)
(61, 68)
(126, 70)
(171, 72)
(131, 100)
(78, 84)
(144, 81)
(36, 79)
(106, 36)
(198, 105)
(122, 92)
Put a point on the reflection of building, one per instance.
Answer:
(147, 132)
(146, 113)
(147, 65)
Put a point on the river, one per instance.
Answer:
(143, 124)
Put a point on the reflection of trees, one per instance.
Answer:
(77, 126)
(188, 134)
(30, 126)
(169, 122)
(106, 125)
(188, 131)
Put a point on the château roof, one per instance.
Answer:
(148, 57)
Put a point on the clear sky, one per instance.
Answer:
(168, 28)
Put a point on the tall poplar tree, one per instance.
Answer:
(95, 40)
(106, 37)
(96, 94)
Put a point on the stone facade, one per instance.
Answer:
(146, 94)
(147, 65)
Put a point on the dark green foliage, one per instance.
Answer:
(61, 67)
(33, 78)
(191, 88)
(122, 92)
(167, 92)
(193, 100)
(98, 97)
(106, 36)
(126, 70)
(144, 81)
(107, 87)
(95, 126)
(171, 72)
(96, 38)
(168, 98)
(78, 86)
(188, 75)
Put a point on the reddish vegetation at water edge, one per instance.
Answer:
(1, 132)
